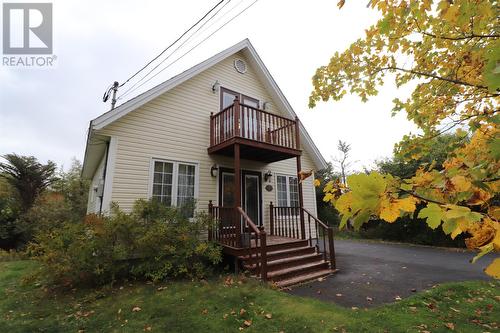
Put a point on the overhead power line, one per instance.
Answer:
(191, 49)
(178, 39)
(175, 50)
(115, 86)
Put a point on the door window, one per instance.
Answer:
(228, 189)
(252, 198)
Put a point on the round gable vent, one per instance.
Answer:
(240, 65)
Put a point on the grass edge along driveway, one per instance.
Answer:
(231, 304)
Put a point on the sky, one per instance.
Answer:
(46, 112)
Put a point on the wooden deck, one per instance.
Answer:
(261, 135)
(275, 240)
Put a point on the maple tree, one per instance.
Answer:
(450, 51)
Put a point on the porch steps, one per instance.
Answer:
(304, 278)
(290, 263)
(282, 254)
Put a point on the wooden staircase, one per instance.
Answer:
(290, 263)
(298, 248)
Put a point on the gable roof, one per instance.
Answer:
(262, 72)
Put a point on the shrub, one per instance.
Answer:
(50, 211)
(9, 212)
(152, 242)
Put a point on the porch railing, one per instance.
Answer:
(286, 222)
(245, 121)
(232, 227)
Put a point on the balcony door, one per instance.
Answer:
(251, 192)
(247, 115)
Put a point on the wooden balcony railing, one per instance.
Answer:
(244, 121)
(232, 227)
(286, 222)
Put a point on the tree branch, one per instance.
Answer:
(471, 36)
(432, 75)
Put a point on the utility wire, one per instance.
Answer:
(175, 50)
(195, 46)
(168, 47)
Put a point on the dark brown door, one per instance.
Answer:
(251, 194)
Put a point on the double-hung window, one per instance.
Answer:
(174, 183)
(287, 189)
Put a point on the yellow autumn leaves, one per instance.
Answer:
(384, 197)
(390, 209)
(450, 51)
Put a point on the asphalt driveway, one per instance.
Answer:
(375, 273)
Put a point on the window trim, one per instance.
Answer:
(175, 177)
(241, 96)
(287, 176)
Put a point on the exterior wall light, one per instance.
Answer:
(215, 86)
(213, 170)
(268, 175)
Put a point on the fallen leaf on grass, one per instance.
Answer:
(147, 328)
(413, 308)
(453, 309)
(430, 306)
(225, 316)
(204, 311)
(136, 309)
(354, 308)
(397, 298)
(242, 312)
(247, 323)
(268, 316)
(228, 281)
(451, 326)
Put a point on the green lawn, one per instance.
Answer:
(216, 306)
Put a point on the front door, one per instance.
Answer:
(251, 193)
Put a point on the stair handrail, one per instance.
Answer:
(260, 236)
(329, 231)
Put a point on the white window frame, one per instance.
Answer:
(288, 201)
(175, 177)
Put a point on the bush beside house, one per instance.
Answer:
(152, 242)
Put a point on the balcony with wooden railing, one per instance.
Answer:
(262, 135)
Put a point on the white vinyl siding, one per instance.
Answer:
(287, 191)
(94, 201)
(176, 127)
